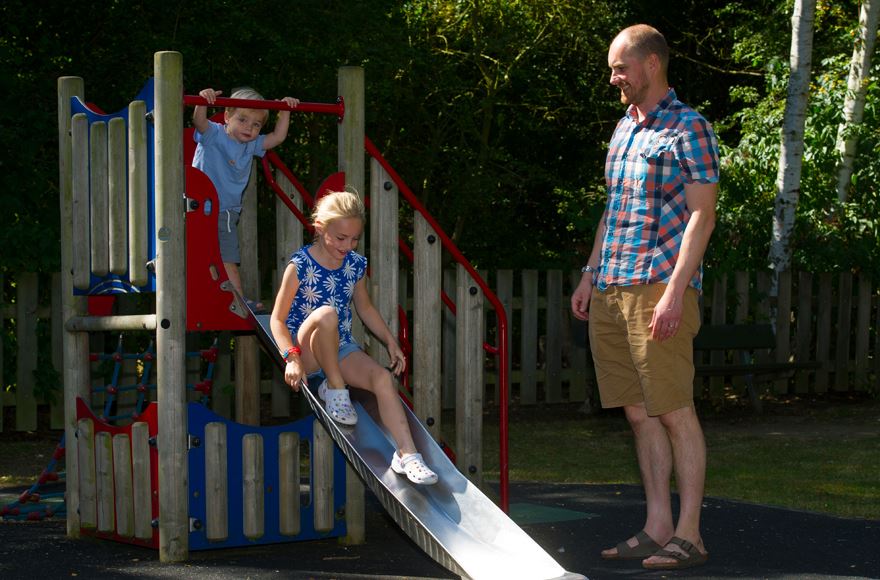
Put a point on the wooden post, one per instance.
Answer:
(449, 342)
(351, 160)
(504, 292)
(288, 484)
(384, 262)
(137, 193)
(863, 332)
(216, 482)
(117, 209)
(247, 354)
(75, 369)
(99, 199)
(427, 319)
(823, 332)
(123, 486)
(141, 487)
(171, 309)
(844, 324)
(469, 378)
(288, 238)
(529, 338)
(104, 481)
(553, 339)
(79, 203)
(803, 330)
(322, 478)
(253, 481)
(26, 335)
(88, 501)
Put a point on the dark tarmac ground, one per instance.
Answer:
(571, 522)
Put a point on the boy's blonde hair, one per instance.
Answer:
(335, 205)
(249, 94)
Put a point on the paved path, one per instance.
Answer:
(572, 522)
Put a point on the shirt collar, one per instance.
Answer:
(664, 104)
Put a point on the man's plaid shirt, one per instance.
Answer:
(647, 167)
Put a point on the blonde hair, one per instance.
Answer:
(249, 94)
(335, 205)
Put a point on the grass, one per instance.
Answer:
(798, 455)
(821, 455)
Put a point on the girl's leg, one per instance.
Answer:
(318, 337)
(361, 371)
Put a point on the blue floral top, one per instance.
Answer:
(319, 286)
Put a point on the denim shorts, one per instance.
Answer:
(344, 350)
(227, 235)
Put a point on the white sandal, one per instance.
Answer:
(413, 466)
(338, 405)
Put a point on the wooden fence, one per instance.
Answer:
(833, 319)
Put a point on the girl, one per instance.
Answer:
(311, 323)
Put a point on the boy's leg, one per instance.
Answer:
(234, 276)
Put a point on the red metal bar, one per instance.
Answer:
(337, 108)
(501, 316)
(267, 173)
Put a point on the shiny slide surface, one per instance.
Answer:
(452, 521)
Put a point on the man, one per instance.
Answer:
(661, 173)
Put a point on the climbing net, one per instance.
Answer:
(37, 502)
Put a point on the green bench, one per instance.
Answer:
(749, 352)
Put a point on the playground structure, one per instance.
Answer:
(174, 462)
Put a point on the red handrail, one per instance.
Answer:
(337, 108)
(500, 314)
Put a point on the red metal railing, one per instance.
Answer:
(501, 316)
(337, 108)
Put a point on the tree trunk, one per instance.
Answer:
(856, 88)
(791, 150)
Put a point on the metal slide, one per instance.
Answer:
(452, 521)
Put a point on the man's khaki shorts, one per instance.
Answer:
(631, 367)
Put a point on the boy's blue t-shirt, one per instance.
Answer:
(226, 162)
(319, 286)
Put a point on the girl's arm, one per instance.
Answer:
(293, 372)
(374, 322)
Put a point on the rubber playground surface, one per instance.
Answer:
(571, 522)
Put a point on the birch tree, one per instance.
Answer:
(791, 149)
(856, 88)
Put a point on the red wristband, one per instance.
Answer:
(291, 351)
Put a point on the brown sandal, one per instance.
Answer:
(689, 558)
(644, 548)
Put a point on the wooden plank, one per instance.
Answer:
(741, 312)
(384, 260)
(216, 482)
(718, 316)
(469, 378)
(253, 481)
(26, 355)
(142, 498)
(844, 326)
(579, 355)
(553, 339)
(288, 238)
(823, 333)
(247, 357)
(79, 204)
(288, 484)
(2, 333)
(221, 394)
(104, 481)
(504, 292)
(99, 199)
(88, 487)
(56, 409)
(123, 485)
(804, 328)
(783, 327)
(448, 378)
(427, 321)
(529, 338)
(863, 332)
(322, 478)
(117, 202)
(138, 232)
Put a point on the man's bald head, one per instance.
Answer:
(642, 41)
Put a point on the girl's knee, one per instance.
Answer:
(325, 316)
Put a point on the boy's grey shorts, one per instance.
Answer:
(227, 226)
